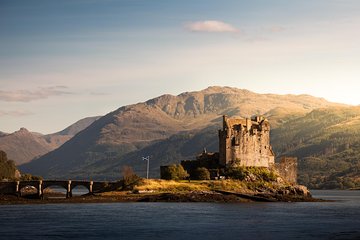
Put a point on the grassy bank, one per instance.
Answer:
(230, 185)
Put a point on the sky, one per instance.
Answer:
(61, 61)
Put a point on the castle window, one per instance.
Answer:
(235, 141)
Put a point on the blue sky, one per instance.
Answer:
(64, 60)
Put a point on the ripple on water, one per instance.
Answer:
(315, 220)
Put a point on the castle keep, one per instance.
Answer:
(245, 142)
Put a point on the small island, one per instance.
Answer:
(258, 185)
(244, 170)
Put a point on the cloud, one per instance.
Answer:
(15, 113)
(210, 26)
(276, 29)
(99, 94)
(30, 95)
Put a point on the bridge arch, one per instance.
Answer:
(82, 184)
(53, 186)
(17, 187)
(63, 184)
(80, 190)
(25, 188)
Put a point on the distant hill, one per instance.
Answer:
(59, 138)
(76, 127)
(169, 128)
(327, 144)
(3, 134)
(22, 146)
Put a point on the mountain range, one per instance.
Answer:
(172, 128)
(23, 146)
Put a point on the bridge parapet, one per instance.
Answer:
(41, 185)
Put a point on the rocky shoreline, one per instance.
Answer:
(158, 190)
(192, 196)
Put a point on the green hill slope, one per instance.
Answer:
(327, 144)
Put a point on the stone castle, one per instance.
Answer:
(245, 142)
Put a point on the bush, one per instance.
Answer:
(268, 175)
(236, 173)
(201, 174)
(348, 183)
(174, 172)
(29, 177)
(130, 179)
(251, 173)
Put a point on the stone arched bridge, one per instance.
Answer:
(41, 185)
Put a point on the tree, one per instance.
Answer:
(129, 178)
(7, 167)
(202, 173)
(29, 177)
(175, 172)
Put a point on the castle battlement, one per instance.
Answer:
(245, 142)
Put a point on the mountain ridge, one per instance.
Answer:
(22, 146)
(131, 128)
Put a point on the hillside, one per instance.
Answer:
(3, 134)
(59, 138)
(22, 146)
(169, 128)
(327, 144)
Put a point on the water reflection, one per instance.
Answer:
(56, 192)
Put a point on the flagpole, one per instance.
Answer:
(147, 158)
(147, 169)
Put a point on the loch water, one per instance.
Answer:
(339, 219)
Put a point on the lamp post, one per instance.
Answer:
(147, 158)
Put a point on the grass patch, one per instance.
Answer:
(159, 185)
(182, 186)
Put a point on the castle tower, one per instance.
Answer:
(245, 142)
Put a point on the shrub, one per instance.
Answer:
(174, 172)
(130, 179)
(201, 173)
(236, 173)
(29, 177)
(251, 173)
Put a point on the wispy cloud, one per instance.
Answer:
(15, 113)
(211, 26)
(30, 95)
(276, 29)
(99, 94)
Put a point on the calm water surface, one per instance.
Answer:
(325, 220)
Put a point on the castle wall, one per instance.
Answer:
(245, 142)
